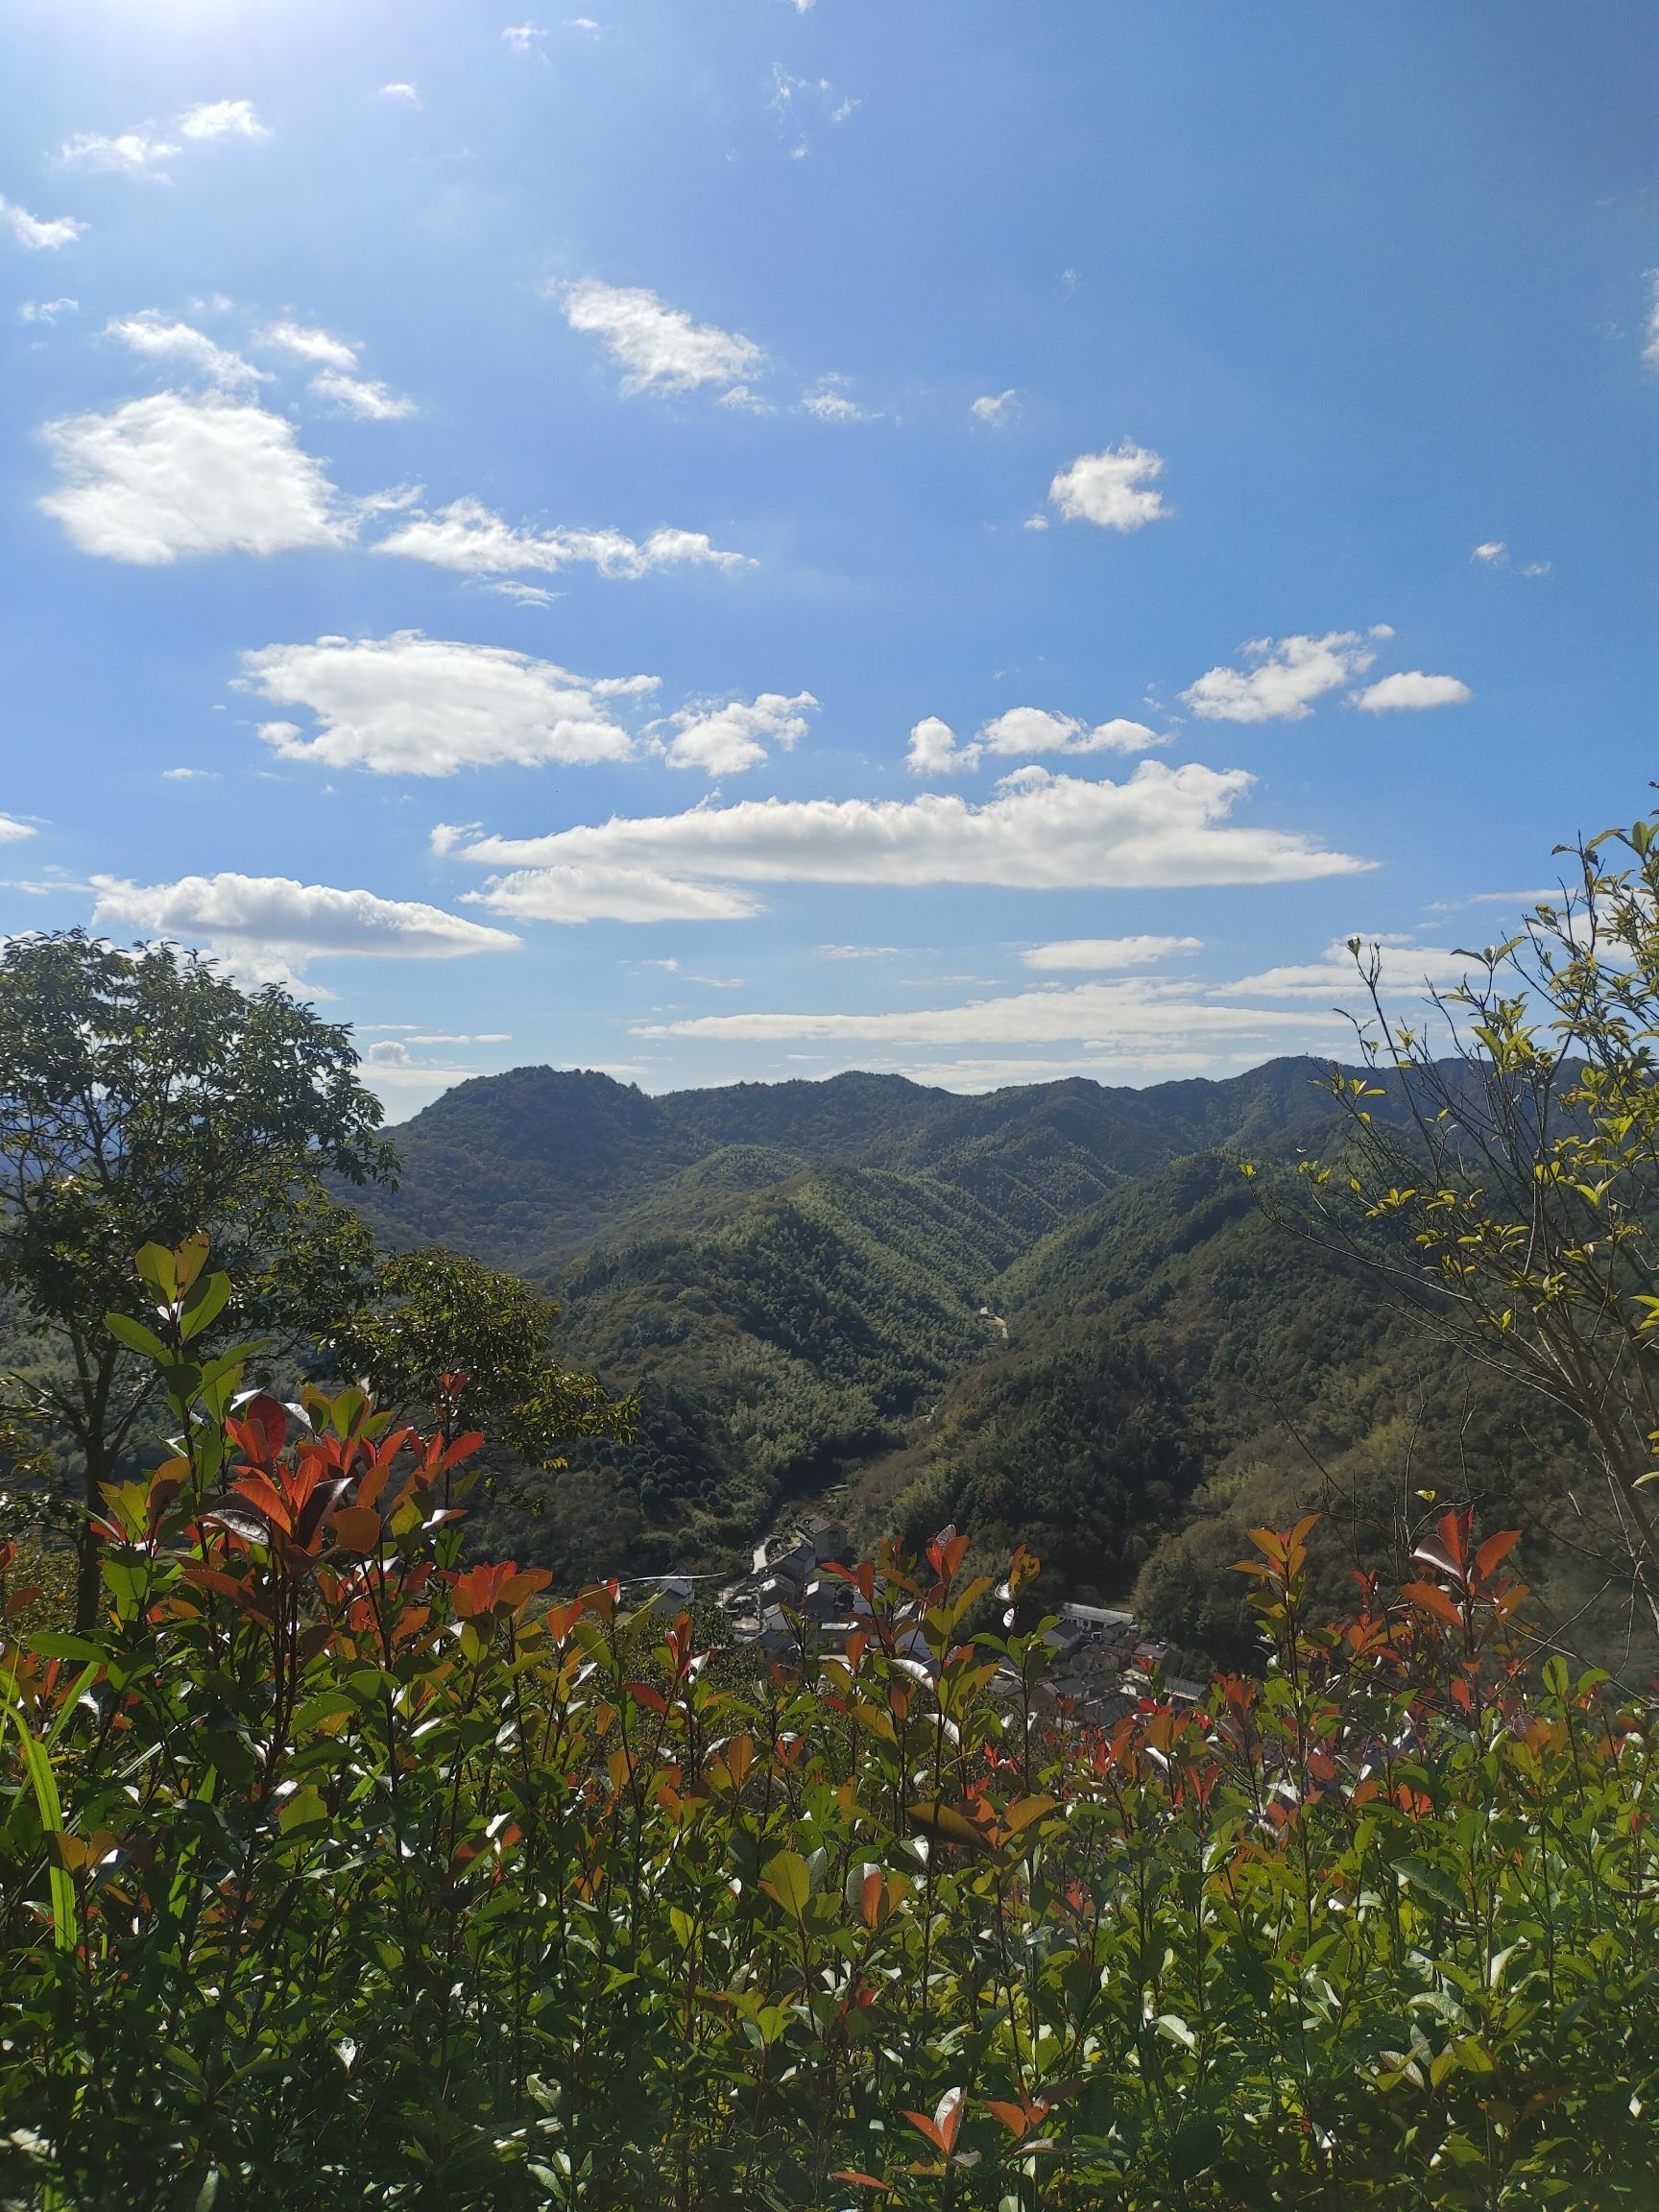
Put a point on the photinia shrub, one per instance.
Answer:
(336, 1870)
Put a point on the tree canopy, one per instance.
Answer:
(144, 1097)
(448, 1339)
(1510, 1189)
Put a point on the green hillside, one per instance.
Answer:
(1052, 1314)
(790, 1275)
(1180, 1369)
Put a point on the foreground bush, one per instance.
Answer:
(336, 1874)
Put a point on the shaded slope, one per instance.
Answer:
(1180, 1370)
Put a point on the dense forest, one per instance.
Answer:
(1056, 1316)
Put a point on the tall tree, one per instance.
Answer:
(143, 1098)
(1508, 1184)
(448, 1339)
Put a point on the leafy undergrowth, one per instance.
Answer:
(337, 1875)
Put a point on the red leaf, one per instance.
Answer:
(1495, 1550)
(267, 1419)
(1429, 1598)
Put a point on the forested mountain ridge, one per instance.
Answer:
(1052, 1314)
(788, 1274)
(532, 1169)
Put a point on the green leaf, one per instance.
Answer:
(1198, 2143)
(49, 1645)
(306, 1809)
(1430, 1880)
(787, 1879)
(205, 1304)
(153, 1264)
(136, 1336)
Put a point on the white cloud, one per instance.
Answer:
(1161, 828)
(525, 594)
(1020, 731)
(1411, 688)
(584, 893)
(47, 310)
(1493, 549)
(1111, 1016)
(455, 1037)
(1403, 969)
(131, 152)
(727, 739)
(1027, 730)
(1134, 1065)
(1101, 953)
(856, 952)
(35, 233)
(223, 119)
(655, 345)
(366, 397)
(391, 1065)
(1286, 678)
(150, 334)
(469, 536)
(413, 705)
(272, 927)
(168, 476)
(1650, 330)
(521, 37)
(1110, 488)
(12, 831)
(402, 92)
(830, 403)
(996, 409)
(189, 776)
(934, 751)
(305, 342)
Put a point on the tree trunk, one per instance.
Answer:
(88, 1580)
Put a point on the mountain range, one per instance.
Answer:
(1054, 1314)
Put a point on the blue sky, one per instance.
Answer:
(726, 538)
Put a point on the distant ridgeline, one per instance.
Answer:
(1051, 1314)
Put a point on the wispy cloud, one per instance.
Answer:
(304, 342)
(1104, 953)
(145, 152)
(127, 152)
(157, 337)
(469, 538)
(366, 397)
(336, 361)
(830, 402)
(658, 348)
(35, 233)
(997, 410)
